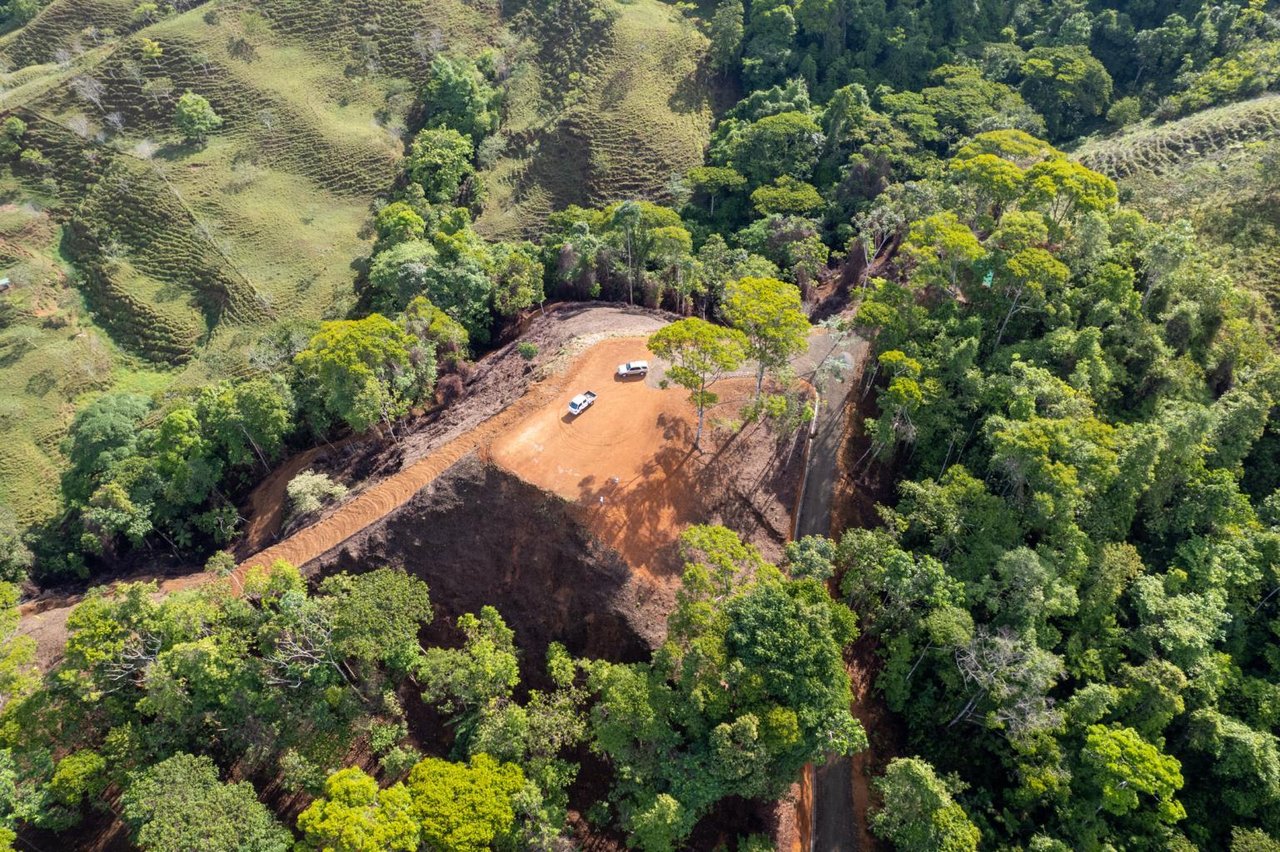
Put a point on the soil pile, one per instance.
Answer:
(480, 536)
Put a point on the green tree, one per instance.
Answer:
(353, 815)
(768, 312)
(11, 132)
(398, 223)
(437, 329)
(1121, 767)
(700, 353)
(784, 144)
(1065, 189)
(749, 686)
(439, 161)
(465, 807)
(712, 182)
(726, 33)
(943, 246)
(786, 196)
(517, 278)
(457, 97)
(466, 681)
(15, 556)
(18, 675)
(1067, 86)
(919, 813)
(376, 616)
(246, 421)
(181, 804)
(102, 434)
(195, 118)
(363, 371)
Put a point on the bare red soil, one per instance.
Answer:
(629, 460)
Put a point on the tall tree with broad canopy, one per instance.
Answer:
(918, 813)
(749, 686)
(700, 353)
(353, 815)
(180, 803)
(768, 312)
(364, 371)
(439, 161)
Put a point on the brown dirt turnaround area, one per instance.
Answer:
(629, 461)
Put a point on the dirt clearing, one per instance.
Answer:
(629, 461)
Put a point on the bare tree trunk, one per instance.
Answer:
(1007, 317)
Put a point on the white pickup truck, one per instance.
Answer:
(581, 402)
(633, 368)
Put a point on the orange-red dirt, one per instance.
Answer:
(628, 460)
(636, 432)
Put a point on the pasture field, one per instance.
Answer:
(147, 263)
(1205, 167)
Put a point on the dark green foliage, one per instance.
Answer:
(1074, 589)
(456, 96)
(250, 679)
(749, 686)
(180, 803)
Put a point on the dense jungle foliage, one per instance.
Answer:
(1074, 587)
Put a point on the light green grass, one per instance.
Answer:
(643, 120)
(1204, 168)
(196, 250)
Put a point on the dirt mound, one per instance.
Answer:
(480, 536)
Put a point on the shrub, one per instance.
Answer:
(220, 564)
(1125, 111)
(310, 491)
(451, 388)
(528, 351)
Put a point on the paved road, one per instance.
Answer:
(833, 826)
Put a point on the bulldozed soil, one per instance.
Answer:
(480, 536)
(630, 464)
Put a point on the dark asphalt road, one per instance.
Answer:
(834, 829)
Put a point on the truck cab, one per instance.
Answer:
(581, 402)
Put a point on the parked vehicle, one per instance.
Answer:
(633, 368)
(581, 402)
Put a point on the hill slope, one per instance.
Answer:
(168, 260)
(1205, 167)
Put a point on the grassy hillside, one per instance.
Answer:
(143, 262)
(640, 118)
(1205, 167)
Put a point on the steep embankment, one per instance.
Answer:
(481, 536)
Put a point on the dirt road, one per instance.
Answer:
(834, 827)
(571, 331)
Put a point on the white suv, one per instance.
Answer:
(633, 368)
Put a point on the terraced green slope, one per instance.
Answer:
(1204, 167)
(642, 119)
(148, 264)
